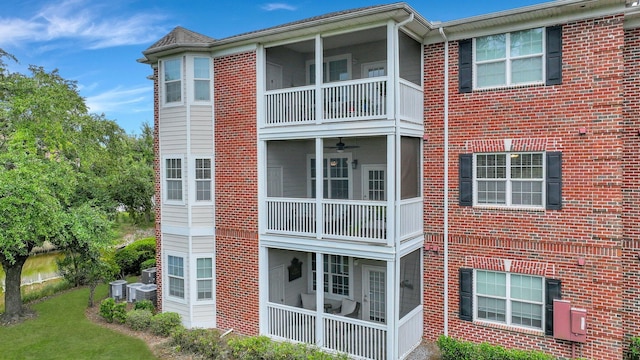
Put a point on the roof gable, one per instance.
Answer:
(180, 36)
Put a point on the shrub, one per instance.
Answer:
(148, 264)
(131, 257)
(144, 305)
(163, 323)
(112, 311)
(262, 348)
(139, 319)
(453, 349)
(203, 342)
(634, 349)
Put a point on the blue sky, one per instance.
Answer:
(97, 42)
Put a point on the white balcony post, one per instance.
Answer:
(393, 174)
(392, 71)
(393, 271)
(319, 188)
(319, 298)
(319, 80)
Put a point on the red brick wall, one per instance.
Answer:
(545, 118)
(158, 193)
(631, 184)
(236, 193)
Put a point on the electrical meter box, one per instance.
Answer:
(569, 323)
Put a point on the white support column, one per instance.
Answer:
(263, 288)
(392, 58)
(261, 64)
(319, 188)
(393, 269)
(394, 194)
(319, 69)
(262, 186)
(319, 298)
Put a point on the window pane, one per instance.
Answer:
(174, 189)
(172, 91)
(176, 266)
(203, 190)
(201, 68)
(525, 287)
(491, 74)
(176, 287)
(172, 70)
(205, 289)
(491, 47)
(491, 283)
(204, 268)
(526, 42)
(492, 192)
(491, 309)
(526, 193)
(203, 169)
(526, 314)
(201, 90)
(338, 70)
(526, 70)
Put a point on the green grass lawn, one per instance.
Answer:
(61, 331)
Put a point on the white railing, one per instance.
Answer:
(290, 106)
(411, 102)
(292, 323)
(350, 219)
(291, 216)
(355, 337)
(410, 331)
(362, 98)
(346, 219)
(411, 221)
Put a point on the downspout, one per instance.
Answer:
(446, 181)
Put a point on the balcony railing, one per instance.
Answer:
(357, 338)
(362, 99)
(343, 219)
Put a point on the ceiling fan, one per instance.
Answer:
(340, 146)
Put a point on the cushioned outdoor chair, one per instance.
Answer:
(349, 308)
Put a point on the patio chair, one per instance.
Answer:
(349, 308)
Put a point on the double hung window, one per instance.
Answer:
(511, 179)
(204, 270)
(175, 272)
(509, 59)
(201, 79)
(173, 178)
(513, 299)
(172, 81)
(203, 179)
(335, 170)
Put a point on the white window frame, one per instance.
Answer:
(509, 181)
(163, 88)
(328, 157)
(508, 300)
(330, 294)
(197, 180)
(508, 59)
(192, 79)
(165, 179)
(170, 276)
(198, 279)
(325, 68)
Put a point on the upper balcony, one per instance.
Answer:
(362, 78)
(356, 200)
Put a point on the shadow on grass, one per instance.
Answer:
(61, 331)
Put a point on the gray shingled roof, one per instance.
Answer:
(181, 36)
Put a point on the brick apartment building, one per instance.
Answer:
(474, 171)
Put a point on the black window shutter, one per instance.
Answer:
(554, 55)
(465, 179)
(554, 180)
(465, 66)
(553, 292)
(465, 277)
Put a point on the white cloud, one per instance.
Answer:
(83, 24)
(278, 6)
(121, 99)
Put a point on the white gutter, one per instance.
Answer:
(446, 181)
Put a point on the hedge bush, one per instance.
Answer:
(112, 311)
(262, 348)
(634, 349)
(202, 342)
(131, 257)
(452, 349)
(164, 323)
(144, 304)
(139, 319)
(147, 264)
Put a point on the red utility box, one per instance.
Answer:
(569, 323)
